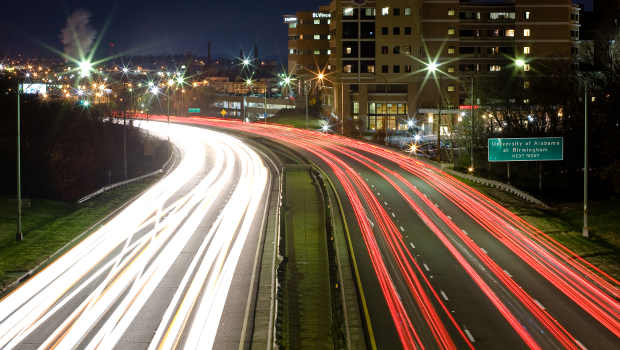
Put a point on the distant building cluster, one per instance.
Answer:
(391, 62)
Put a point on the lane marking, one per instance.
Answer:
(580, 345)
(471, 337)
(426, 268)
(449, 217)
(385, 203)
(465, 232)
(393, 215)
(508, 273)
(539, 304)
(378, 193)
(484, 251)
(402, 229)
(443, 294)
(412, 245)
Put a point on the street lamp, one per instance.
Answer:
(19, 236)
(84, 68)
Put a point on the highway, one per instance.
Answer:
(444, 267)
(167, 271)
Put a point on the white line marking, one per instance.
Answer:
(471, 337)
(580, 345)
(426, 267)
(539, 304)
(378, 193)
(412, 245)
(443, 294)
(465, 232)
(385, 203)
(449, 217)
(508, 273)
(402, 229)
(484, 251)
(393, 215)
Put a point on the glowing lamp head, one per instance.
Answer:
(431, 66)
(154, 90)
(85, 67)
(410, 123)
(125, 70)
(150, 84)
(248, 82)
(325, 128)
(180, 80)
(321, 76)
(170, 82)
(85, 103)
(417, 138)
(520, 62)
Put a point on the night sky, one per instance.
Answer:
(156, 26)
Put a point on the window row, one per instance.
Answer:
(406, 49)
(496, 16)
(493, 33)
(396, 31)
(309, 52)
(369, 12)
(314, 37)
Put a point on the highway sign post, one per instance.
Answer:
(193, 110)
(526, 150)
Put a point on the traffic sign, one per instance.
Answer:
(223, 112)
(193, 110)
(526, 149)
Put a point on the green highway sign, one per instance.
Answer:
(526, 149)
(193, 110)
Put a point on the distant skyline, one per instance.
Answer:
(157, 26)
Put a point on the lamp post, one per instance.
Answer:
(586, 164)
(19, 236)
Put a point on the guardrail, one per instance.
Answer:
(125, 182)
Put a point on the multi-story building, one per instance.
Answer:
(394, 62)
(308, 41)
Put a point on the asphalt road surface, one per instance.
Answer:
(442, 266)
(171, 270)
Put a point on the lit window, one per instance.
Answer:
(526, 67)
(292, 25)
(450, 69)
(451, 31)
(329, 52)
(371, 69)
(317, 36)
(317, 52)
(385, 11)
(291, 51)
(407, 11)
(356, 107)
(317, 21)
(526, 32)
(329, 37)
(349, 50)
(451, 88)
(369, 12)
(510, 32)
(301, 37)
(451, 12)
(527, 15)
(329, 67)
(451, 50)
(526, 50)
(348, 12)
(495, 68)
(329, 21)
(526, 84)
(347, 68)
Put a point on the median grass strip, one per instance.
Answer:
(49, 225)
(564, 223)
(306, 313)
(296, 120)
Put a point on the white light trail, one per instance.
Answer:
(133, 252)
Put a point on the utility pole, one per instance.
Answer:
(19, 236)
(306, 93)
(471, 163)
(439, 134)
(265, 103)
(586, 165)
(125, 144)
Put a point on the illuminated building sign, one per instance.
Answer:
(289, 19)
(321, 15)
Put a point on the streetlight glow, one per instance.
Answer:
(432, 66)
(520, 62)
(154, 90)
(85, 67)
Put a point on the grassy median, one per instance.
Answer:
(306, 313)
(564, 223)
(49, 225)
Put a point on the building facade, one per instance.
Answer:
(391, 63)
